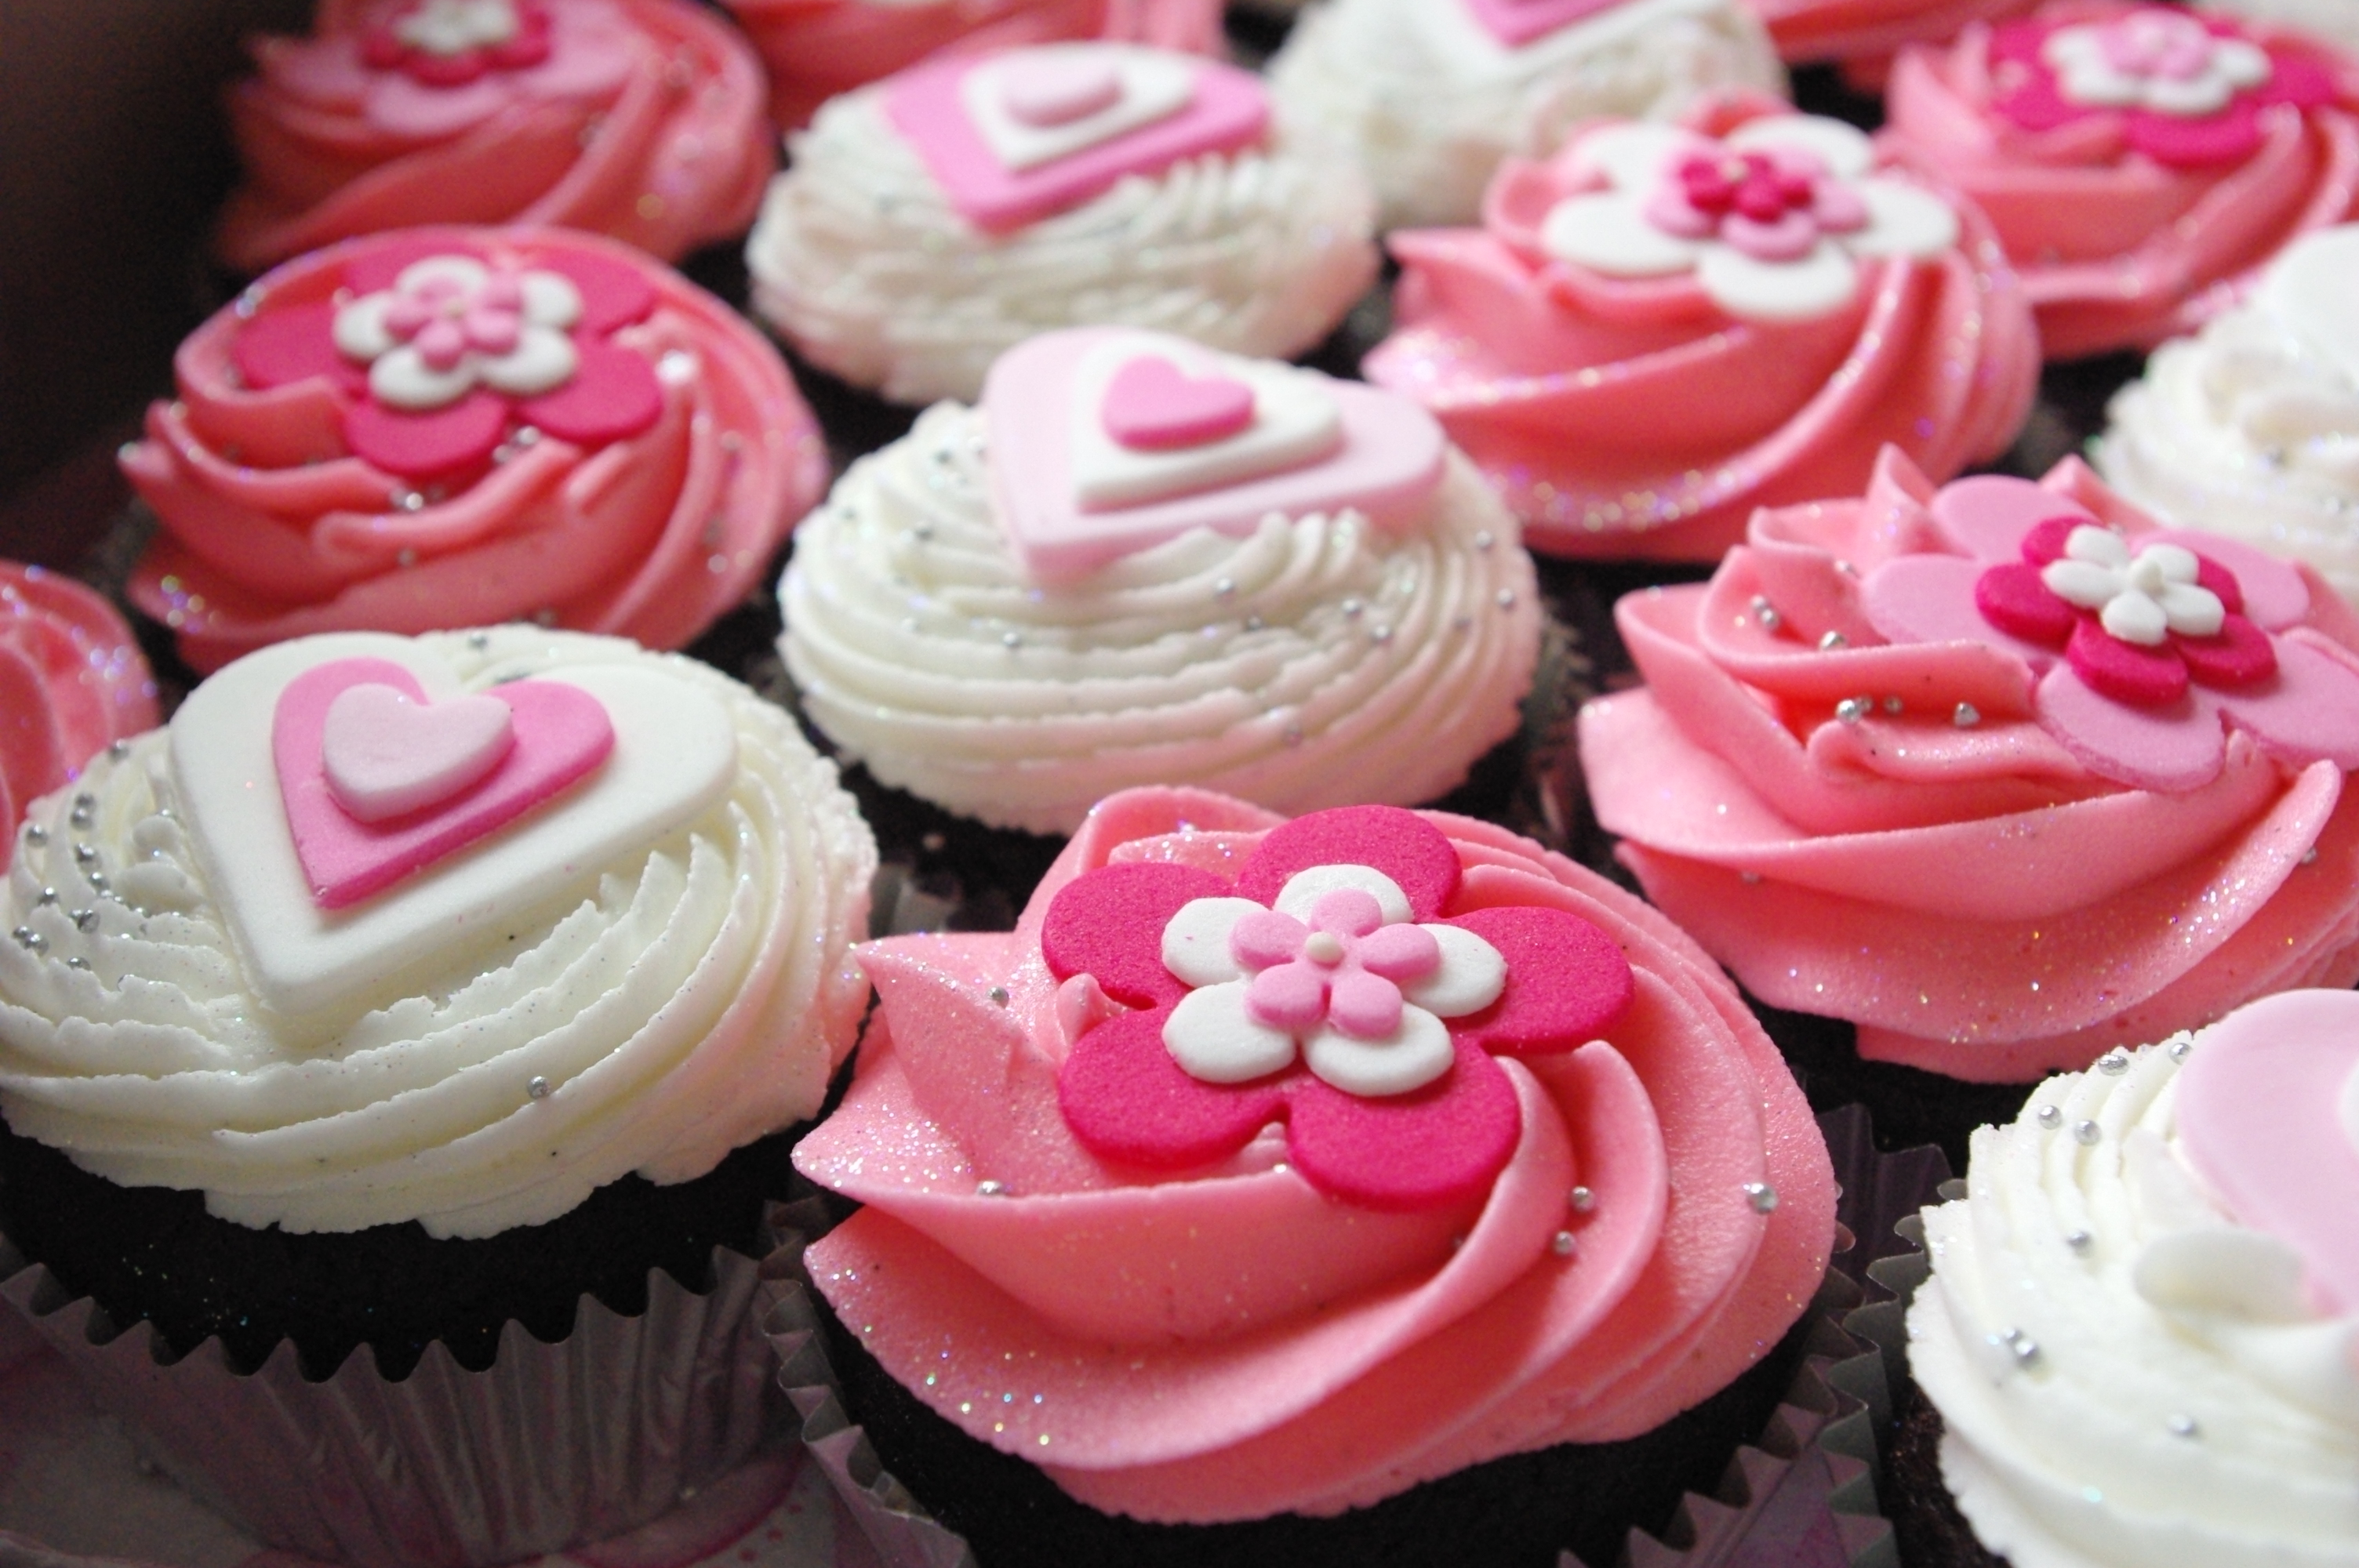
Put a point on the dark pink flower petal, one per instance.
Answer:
(2223, 583)
(2140, 677)
(279, 348)
(1442, 1144)
(1261, 941)
(614, 293)
(2299, 79)
(1409, 851)
(1364, 1006)
(2011, 597)
(1126, 1099)
(1568, 982)
(1399, 952)
(1109, 923)
(2047, 539)
(427, 446)
(2231, 135)
(614, 396)
(2240, 655)
(1292, 997)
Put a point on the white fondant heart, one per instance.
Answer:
(1153, 87)
(1294, 422)
(2313, 289)
(675, 755)
(1058, 89)
(386, 756)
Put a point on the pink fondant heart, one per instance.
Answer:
(1058, 89)
(1150, 406)
(386, 756)
(1517, 22)
(560, 734)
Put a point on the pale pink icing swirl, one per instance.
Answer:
(1886, 833)
(1632, 417)
(644, 123)
(72, 681)
(2116, 248)
(1162, 1324)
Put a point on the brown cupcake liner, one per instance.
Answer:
(551, 1446)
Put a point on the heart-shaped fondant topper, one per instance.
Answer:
(1151, 405)
(386, 756)
(1056, 88)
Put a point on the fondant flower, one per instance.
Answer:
(2189, 90)
(1330, 989)
(2141, 646)
(448, 43)
(1771, 218)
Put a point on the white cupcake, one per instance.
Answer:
(932, 221)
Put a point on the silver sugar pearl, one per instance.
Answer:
(2310, 856)
(78, 962)
(2086, 1133)
(1561, 1244)
(1766, 613)
(85, 854)
(1851, 710)
(999, 995)
(1483, 540)
(118, 750)
(30, 939)
(1761, 1196)
(1011, 640)
(1582, 1200)
(2180, 1048)
(1831, 640)
(46, 895)
(989, 1189)
(2049, 1117)
(1380, 633)
(479, 641)
(2113, 1063)
(85, 920)
(97, 881)
(1350, 607)
(1505, 599)
(1892, 705)
(537, 1086)
(35, 835)
(1225, 587)
(2183, 1426)
(2078, 1240)
(1966, 716)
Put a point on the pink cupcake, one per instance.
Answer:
(457, 426)
(1862, 34)
(1662, 327)
(639, 119)
(2139, 163)
(2000, 772)
(72, 681)
(817, 48)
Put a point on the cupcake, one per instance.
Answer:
(2251, 429)
(1662, 327)
(637, 119)
(1159, 1215)
(934, 220)
(2139, 163)
(410, 997)
(1140, 560)
(2140, 1322)
(2003, 773)
(817, 48)
(72, 681)
(1433, 94)
(456, 426)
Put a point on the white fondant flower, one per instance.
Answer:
(1769, 218)
(2162, 61)
(2139, 596)
(449, 324)
(454, 27)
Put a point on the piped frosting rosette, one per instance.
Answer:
(2002, 773)
(2142, 1328)
(2251, 429)
(454, 930)
(1211, 1241)
(2139, 163)
(72, 681)
(457, 426)
(638, 119)
(1140, 560)
(1664, 327)
(1432, 94)
(933, 221)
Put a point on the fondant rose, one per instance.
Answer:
(639, 119)
(72, 681)
(2001, 771)
(2138, 163)
(1220, 1335)
(453, 428)
(1665, 327)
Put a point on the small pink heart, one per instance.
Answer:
(386, 756)
(1150, 406)
(1059, 89)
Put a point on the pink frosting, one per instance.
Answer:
(2119, 247)
(1917, 836)
(71, 680)
(644, 122)
(1228, 1342)
(641, 497)
(1864, 34)
(1634, 417)
(817, 48)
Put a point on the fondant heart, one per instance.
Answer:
(387, 756)
(1150, 406)
(1058, 89)
(1516, 23)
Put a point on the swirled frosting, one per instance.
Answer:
(2124, 237)
(863, 261)
(1640, 415)
(1866, 33)
(1227, 1343)
(641, 120)
(2129, 1369)
(647, 1009)
(1932, 838)
(642, 496)
(72, 681)
(1432, 102)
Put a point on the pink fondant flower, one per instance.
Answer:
(2141, 646)
(1367, 1027)
(2187, 91)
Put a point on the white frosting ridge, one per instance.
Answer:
(1432, 102)
(1316, 661)
(860, 261)
(681, 1000)
(2135, 1399)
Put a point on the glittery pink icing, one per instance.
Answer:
(275, 528)
(1887, 832)
(71, 680)
(644, 122)
(1863, 34)
(2117, 247)
(1632, 417)
(1162, 1323)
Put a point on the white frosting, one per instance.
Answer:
(860, 260)
(2160, 1395)
(663, 1004)
(1433, 102)
(2337, 21)
(1313, 662)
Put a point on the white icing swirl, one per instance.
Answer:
(860, 260)
(685, 998)
(1432, 102)
(2127, 1399)
(1313, 662)
(2336, 21)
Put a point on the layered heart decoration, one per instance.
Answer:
(1109, 440)
(1018, 136)
(1517, 22)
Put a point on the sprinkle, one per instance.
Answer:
(537, 1086)
(1562, 1244)
(2086, 1133)
(2049, 1117)
(2113, 1063)
(1766, 613)
(999, 995)
(1851, 710)
(1582, 1200)
(2180, 1048)
(85, 920)
(30, 939)
(35, 835)
(1831, 640)
(46, 895)
(990, 1189)
(1761, 1196)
